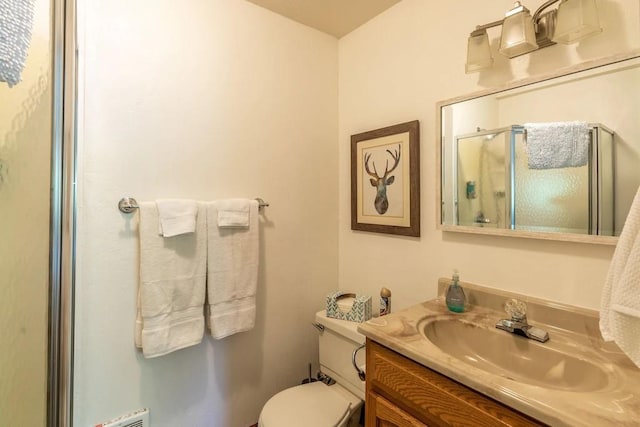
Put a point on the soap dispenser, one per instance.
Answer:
(455, 295)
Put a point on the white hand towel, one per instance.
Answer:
(232, 271)
(172, 285)
(620, 305)
(177, 216)
(235, 213)
(16, 23)
(557, 145)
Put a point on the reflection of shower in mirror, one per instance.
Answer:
(511, 194)
(602, 91)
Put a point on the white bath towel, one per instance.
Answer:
(557, 145)
(172, 285)
(232, 271)
(235, 213)
(16, 23)
(177, 216)
(620, 305)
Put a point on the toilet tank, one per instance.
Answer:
(337, 343)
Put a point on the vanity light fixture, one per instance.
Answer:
(478, 51)
(518, 35)
(478, 48)
(576, 20)
(523, 33)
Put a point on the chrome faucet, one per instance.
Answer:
(518, 323)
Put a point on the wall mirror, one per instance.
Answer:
(556, 157)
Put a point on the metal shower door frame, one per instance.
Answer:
(62, 217)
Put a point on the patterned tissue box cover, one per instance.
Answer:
(360, 311)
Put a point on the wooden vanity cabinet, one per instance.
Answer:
(403, 393)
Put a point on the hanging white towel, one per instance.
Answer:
(16, 23)
(620, 305)
(234, 213)
(177, 216)
(557, 144)
(172, 287)
(232, 270)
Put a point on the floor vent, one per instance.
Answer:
(139, 418)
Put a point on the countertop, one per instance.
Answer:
(570, 328)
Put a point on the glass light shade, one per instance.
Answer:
(478, 53)
(576, 20)
(518, 36)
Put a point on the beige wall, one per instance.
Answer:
(210, 99)
(25, 153)
(394, 69)
(202, 99)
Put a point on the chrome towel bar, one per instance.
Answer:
(129, 204)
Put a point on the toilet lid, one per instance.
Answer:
(314, 405)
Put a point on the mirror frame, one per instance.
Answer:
(566, 237)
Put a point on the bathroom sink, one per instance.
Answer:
(513, 357)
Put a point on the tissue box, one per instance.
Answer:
(359, 311)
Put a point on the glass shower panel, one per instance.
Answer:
(605, 181)
(550, 200)
(482, 179)
(25, 158)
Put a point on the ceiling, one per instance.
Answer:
(335, 17)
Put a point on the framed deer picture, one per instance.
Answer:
(385, 180)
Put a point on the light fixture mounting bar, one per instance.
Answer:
(545, 24)
(480, 28)
(542, 7)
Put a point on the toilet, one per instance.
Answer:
(317, 404)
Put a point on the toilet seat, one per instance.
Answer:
(314, 405)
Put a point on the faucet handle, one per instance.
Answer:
(516, 309)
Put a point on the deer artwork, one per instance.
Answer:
(380, 182)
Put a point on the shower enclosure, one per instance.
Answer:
(36, 160)
(494, 187)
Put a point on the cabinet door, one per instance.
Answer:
(428, 395)
(386, 414)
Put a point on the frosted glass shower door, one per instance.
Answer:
(25, 158)
(577, 200)
(550, 200)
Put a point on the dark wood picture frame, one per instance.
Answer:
(383, 202)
